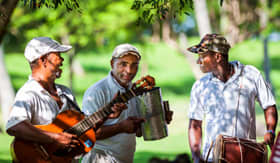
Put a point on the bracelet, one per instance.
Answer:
(271, 131)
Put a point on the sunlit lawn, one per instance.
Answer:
(172, 74)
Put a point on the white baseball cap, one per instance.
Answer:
(40, 46)
(124, 49)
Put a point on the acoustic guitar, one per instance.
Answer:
(73, 122)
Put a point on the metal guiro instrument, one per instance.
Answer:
(152, 109)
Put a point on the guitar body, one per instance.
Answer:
(28, 151)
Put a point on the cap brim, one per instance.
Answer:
(63, 48)
(197, 49)
(194, 49)
(130, 53)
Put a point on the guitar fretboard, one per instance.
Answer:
(102, 113)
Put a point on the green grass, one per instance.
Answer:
(4, 148)
(172, 74)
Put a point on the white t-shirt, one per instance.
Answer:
(35, 104)
(120, 146)
(215, 102)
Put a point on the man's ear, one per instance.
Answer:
(43, 60)
(112, 63)
(219, 57)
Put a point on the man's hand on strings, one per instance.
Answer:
(117, 108)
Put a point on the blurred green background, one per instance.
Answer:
(99, 27)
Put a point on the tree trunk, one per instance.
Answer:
(144, 68)
(189, 57)
(263, 24)
(166, 30)
(204, 27)
(7, 93)
(239, 17)
(65, 40)
(202, 17)
(181, 48)
(266, 63)
(156, 31)
(6, 9)
(71, 72)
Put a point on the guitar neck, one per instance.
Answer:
(107, 109)
(102, 113)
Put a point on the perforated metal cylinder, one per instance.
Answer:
(151, 108)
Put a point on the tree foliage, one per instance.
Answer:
(69, 4)
(95, 24)
(273, 10)
(7, 7)
(242, 19)
(151, 10)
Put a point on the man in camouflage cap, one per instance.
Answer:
(211, 42)
(225, 98)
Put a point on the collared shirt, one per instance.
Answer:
(35, 104)
(219, 104)
(120, 146)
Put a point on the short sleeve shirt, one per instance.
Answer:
(219, 103)
(35, 104)
(120, 146)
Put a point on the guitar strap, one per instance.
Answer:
(72, 103)
(234, 127)
(236, 114)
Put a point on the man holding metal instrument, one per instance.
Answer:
(225, 98)
(116, 138)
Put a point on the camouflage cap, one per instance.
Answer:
(211, 42)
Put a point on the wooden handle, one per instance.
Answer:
(166, 106)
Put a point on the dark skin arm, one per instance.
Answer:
(25, 130)
(195, 135)
(271, 118)
(130, 125)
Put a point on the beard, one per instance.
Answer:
(58, 73)
(123, 79)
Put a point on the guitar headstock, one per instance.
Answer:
(138, 88)
(144, 84)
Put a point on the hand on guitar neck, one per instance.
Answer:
(117, 108)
